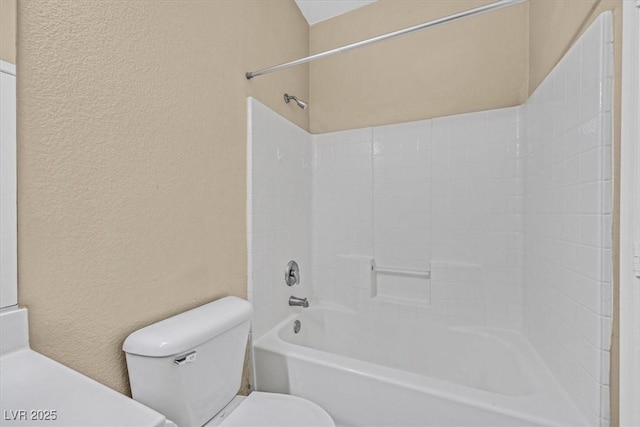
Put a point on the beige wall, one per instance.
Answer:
(555, 25)
(474, 64)
(132, 161)
(8, 30)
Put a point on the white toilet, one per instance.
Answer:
(189, 367)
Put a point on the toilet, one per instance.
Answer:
(189, 368)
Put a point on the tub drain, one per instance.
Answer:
(296, 326)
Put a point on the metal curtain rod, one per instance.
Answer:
(478, 10)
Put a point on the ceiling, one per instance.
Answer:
(319, 10)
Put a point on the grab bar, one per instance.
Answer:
(403, 271)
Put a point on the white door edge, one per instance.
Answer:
(630, 218)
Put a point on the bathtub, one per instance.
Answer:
(372, 370)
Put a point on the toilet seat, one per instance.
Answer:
(275, 409)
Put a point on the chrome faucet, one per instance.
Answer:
(298, 302)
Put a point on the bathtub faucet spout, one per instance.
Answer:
(298, 302)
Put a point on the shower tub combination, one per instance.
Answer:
(381, 366)
(444, 376)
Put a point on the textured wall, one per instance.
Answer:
(8, 30)
(132, 162)
(474, 64)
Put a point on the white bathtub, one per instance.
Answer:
(375, 371)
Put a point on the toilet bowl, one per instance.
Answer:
(189, 368)
(271, 409)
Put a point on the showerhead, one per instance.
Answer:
(302, 104)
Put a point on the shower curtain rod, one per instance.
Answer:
(478, 10)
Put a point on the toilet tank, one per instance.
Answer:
(189, 366)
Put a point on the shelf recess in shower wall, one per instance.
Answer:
(400, 285)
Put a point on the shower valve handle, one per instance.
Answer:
(292, 273)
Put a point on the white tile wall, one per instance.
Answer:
(278, 213)
(402, 195)
(446, 197)
(342, 209)
(568, 220)
(477, 218)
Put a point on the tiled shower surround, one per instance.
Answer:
(279, 213)
(568, 205)
(498, 218)
(440, 197)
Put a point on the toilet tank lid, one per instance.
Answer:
(187, 330)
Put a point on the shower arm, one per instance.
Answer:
(478, 10)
